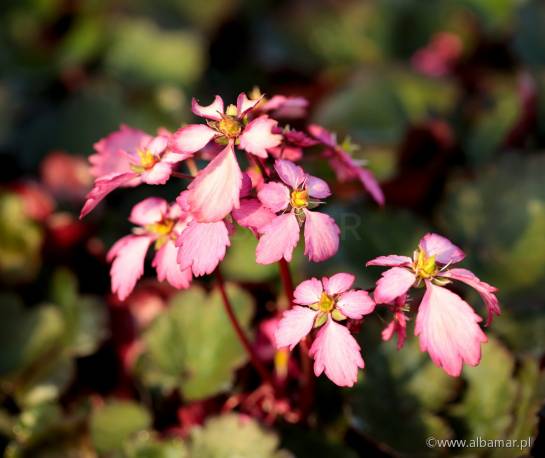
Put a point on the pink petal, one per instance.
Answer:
(289, 173)
(215, 190)
(295, 324)
(443, 249)
(338, 283)
(244, 104)
(393, 283)
(317, 187)
(157, 145)
(337, 353)
(321, 236)
(322, 134)
(257, 136)
(274, 195)
(253, 215)
(212, 111)
(355, 303)
(392, 260)
(202, 246)
(168, 269)
(448, 329)
(192, 138)
(158, 174)
(104, 186)
(308, 292)
(371, 184)
(149, 211)
(397, 326)
(485, 290)
(128, 256)
(278, 239)
(246, 186)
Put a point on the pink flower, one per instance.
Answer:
(293, 142)
(286, 107)
(398, 325)
(292, 199)
(215, 190)
(322, 305)
(346, 168)
(448, 327)
(150, 161)
(159, 224)
(439, 56)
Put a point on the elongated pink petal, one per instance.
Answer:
(393, 283)
(336, 352)
(392, 260)
(274, 195)
(149, 211)
(321, 236)
(253, 215)
(308, 292)
(355, 303)
(448, 330)
(322, 134)
(202, 246)
(128, 263)
(338, 283)
(215, 190)
(278, 239)
(158, 174)
(244, 104)
(212, 111)
(295, 324)
(485, 290)
(443, 249)
(168, 269)
(289, 173)
(104, 186)
(192, 138)
(371, 184)
(317, 187)
(257, 136)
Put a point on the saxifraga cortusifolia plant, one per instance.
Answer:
(277, 200)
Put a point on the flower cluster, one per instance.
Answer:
(251, 180)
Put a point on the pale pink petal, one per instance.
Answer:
(317, 187)
(448, 330)
(274, 195)
(212, 111)
(485, 290)
(392, 260)
(289, 173)
(308, 292)
(253, 215)
(158, 174)
(392, 284)
(278, 239)
(215, 190)
(149, 211)
(192, 138)
(336, 352)
(397, 326)
(322, 134)
(202, 246)
(321, 236)
(257, 136)
(295, 324)
(287, 107)
(355, 303)
(244, 104)
(128, 263)
(338, 283)
(104, 186)
(371, 184)
(443, 249)
(157, 145)
(168, 269)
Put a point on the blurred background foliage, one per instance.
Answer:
(446, 99)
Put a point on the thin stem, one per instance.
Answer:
(192, 166)
(258, 365)
(182, 175)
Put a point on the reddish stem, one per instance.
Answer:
(182, 175)
(258, 365)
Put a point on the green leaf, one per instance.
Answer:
(193, 343)
(148, 446)
(115, 422)
(232, 435)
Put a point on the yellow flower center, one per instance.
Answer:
(299, 199)
(326, 303)
(230, 126)
(424, 266)
(163, 229)
(147, 161)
